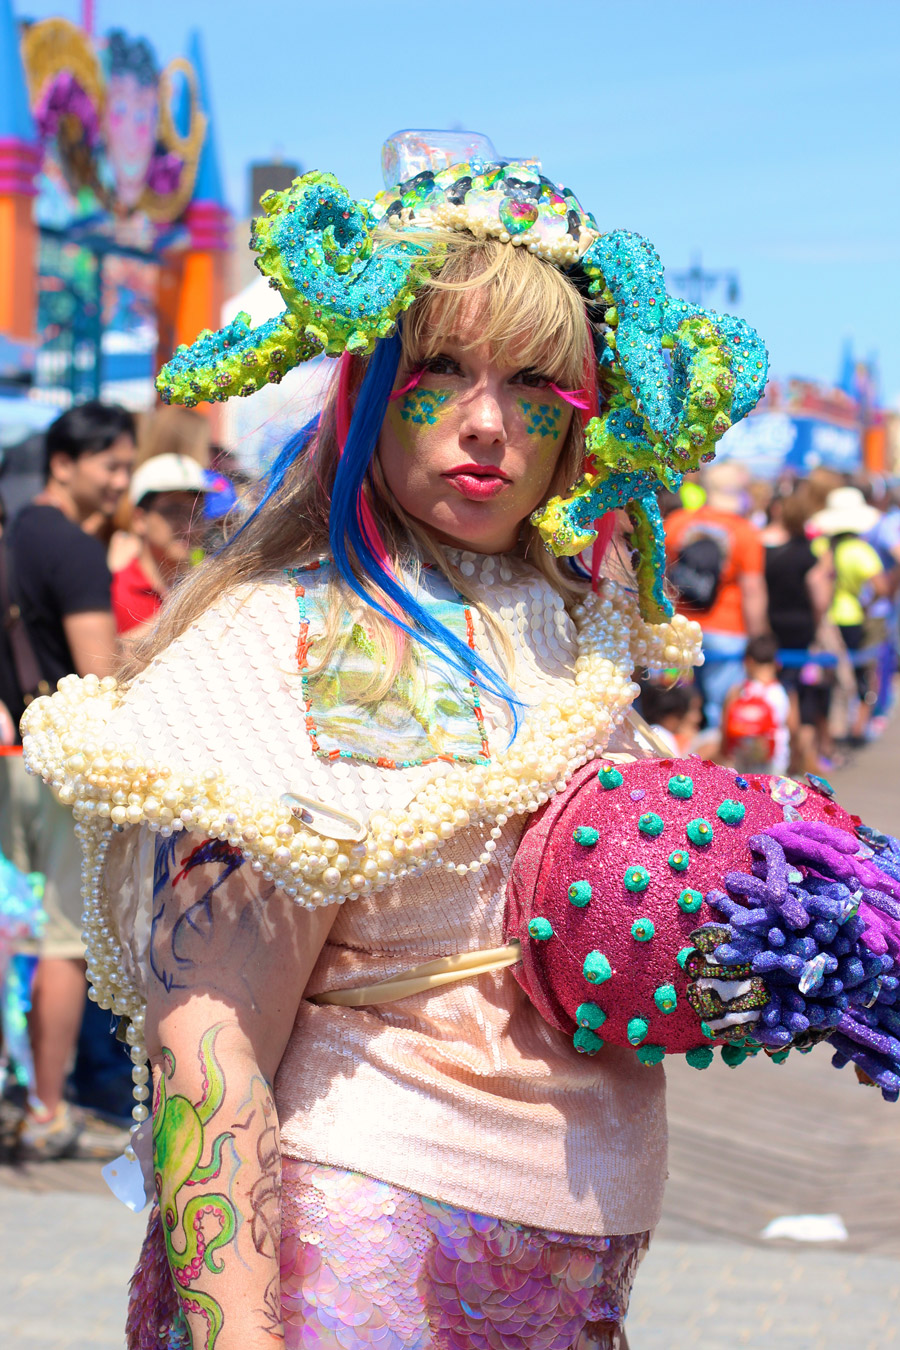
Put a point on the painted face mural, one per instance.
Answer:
(131, 115)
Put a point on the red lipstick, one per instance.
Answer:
(478, 482)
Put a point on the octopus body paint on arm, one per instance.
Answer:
(229, 964)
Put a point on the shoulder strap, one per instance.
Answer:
(28, 672)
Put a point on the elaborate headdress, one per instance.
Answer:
(679, 375)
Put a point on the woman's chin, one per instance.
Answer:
(462, 535)
(473, 526)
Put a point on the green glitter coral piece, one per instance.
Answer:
(651, 1054)
(636, 1030)
(590, 1015)
(733, 1055)
(596, 968)
(683, 955)
(636, 878)
(580, 893)
(700, 832)
(700, 1057)
(731, 812)
(585, 835)
(652, 824)
(689, 901)
(681, 785)
(642, 930)
(586, 1042)
(540, 929)
(236, 360)
(679, 861)
(666, 998)
(609, 778)
(707, 1031)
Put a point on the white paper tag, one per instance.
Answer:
(131, 1180)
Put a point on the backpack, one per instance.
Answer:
(696, 573)
(750, 730)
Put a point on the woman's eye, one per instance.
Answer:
(441, 365)
(532, 379)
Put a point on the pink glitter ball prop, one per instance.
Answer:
(662, 829)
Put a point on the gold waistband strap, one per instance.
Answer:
(430, 975)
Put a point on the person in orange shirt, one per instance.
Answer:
(716, 564)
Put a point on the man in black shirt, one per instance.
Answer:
(10, 694)
(62, 584)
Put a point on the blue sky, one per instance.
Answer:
(761, 134)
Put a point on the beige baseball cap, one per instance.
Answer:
(166, 473)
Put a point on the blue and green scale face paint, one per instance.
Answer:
(423, 407)
(542, 420)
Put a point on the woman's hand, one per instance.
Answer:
(229, 960)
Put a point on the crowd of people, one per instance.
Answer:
(127, 505)
(796, 585)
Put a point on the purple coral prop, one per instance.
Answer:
(819, 921)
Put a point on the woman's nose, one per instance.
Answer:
(484, 419)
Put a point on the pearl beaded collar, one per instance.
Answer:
(113, 785)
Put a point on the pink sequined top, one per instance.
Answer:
(464, 1093)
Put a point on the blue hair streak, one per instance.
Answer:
(346, 528)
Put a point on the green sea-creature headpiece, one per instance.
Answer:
(680, 376)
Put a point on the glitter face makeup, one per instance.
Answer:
(541, 419)
(471, 449)
(423, 406)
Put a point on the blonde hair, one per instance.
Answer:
(530, 314)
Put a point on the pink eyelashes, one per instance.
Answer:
(578, 398)
(410, 384)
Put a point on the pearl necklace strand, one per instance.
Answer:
(110, 787)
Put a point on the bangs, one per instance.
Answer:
(531, 316)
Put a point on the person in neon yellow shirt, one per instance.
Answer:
(859, 577)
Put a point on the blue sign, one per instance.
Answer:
(770, 442)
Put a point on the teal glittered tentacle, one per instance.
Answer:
(680, 378)
(237, 359)
(689, 373)
(649, 538)
(342, 292)
(317, 245)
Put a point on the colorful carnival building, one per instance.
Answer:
(114, 233)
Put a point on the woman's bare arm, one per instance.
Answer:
(820, 587)
(230, 957)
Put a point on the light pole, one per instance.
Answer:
(695, 283)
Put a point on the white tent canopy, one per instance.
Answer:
(256, 428)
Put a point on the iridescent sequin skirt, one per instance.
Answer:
(366, 1264)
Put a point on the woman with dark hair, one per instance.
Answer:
(300, 811)
(800, 587)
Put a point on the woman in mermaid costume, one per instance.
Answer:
(300, 810)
